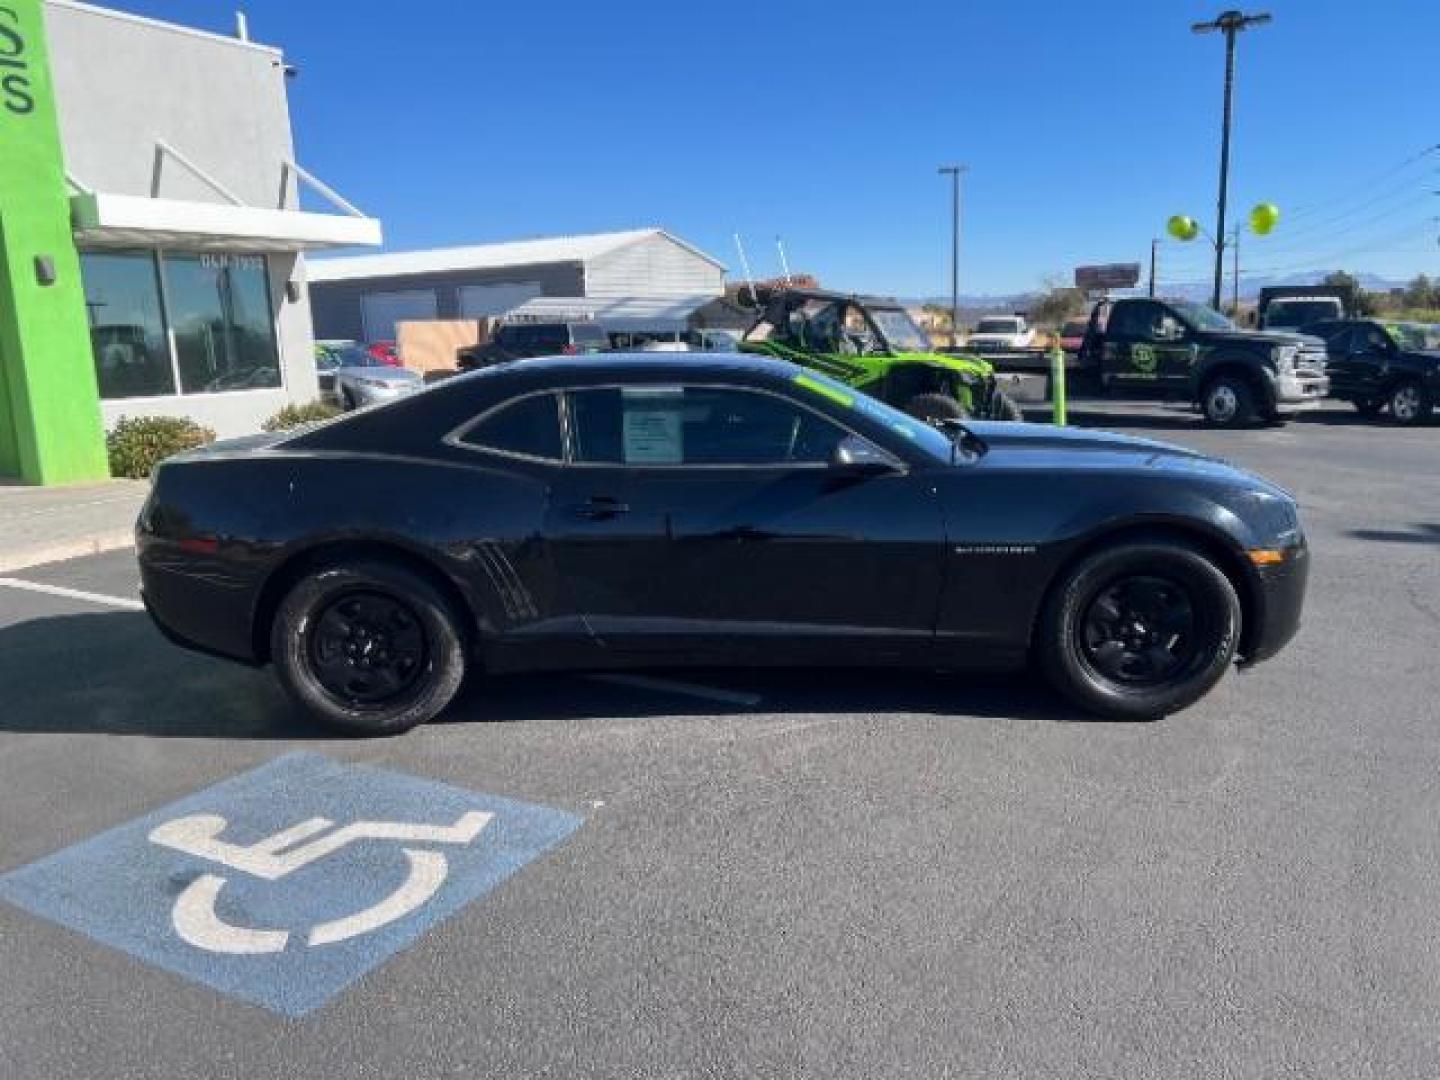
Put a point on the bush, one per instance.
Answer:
(138, 444)
(292, 416)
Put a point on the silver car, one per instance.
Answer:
(354, 378)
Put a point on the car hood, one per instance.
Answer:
(1270, 337)
(972, 365)
(1045, 448)
(380, 374)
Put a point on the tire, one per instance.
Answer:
(1368, 407)
(1409, 403)
(1123, 668)
(326, 616)
(1228, 401)
(1003, 407)
(932, 407)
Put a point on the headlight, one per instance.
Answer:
(1284, 357)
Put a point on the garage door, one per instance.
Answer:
(488, 301)
(382, 310)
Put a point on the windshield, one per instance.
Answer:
(1414, 335)
(1200, 316)
(1297, 313)
(932, 442)
(998, 326)
(899, 330)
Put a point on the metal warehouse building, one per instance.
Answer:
(362, 298)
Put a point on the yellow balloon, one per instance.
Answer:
(1182, 227)
(1264, 217)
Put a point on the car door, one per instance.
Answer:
(706, 519)
(1367, 361)
(1147, 346)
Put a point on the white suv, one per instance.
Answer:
(1002, 332)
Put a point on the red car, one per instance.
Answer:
(1072, 335)
(384, 351)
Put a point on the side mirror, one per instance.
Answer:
(861, 457)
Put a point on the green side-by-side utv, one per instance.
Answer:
(873, 345)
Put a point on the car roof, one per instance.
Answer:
(599, 366)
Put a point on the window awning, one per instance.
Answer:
(114, 220)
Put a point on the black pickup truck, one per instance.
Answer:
(1175, 349)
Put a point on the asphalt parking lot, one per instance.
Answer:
(781, 874)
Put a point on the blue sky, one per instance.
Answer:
(1085, 126)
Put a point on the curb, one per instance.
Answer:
(66, 549)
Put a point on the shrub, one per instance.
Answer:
(292, 416)
(137, 444)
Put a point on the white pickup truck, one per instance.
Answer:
(1001, 332)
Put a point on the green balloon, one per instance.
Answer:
(1264, 217)
(1182, 227)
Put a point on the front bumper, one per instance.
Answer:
(1279, 599)
(1301, 391)
(379, 395)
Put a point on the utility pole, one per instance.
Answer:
(1154, 244)
(1229, 23)
(954, 172)
(1235, 301)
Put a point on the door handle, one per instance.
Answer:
(601, 507)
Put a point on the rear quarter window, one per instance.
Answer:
(526, 427)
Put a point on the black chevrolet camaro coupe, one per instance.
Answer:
(626, 511)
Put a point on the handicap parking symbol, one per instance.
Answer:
(285, 884)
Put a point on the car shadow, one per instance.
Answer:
(113, 674)
(1422, 533)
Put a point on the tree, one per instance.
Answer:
(1422, 293)
(1056, 304)
(1365, 302)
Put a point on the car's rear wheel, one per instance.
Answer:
(932, 407)
(1140, 630)
(1410, 403)
(1228, 401)
(368, 647)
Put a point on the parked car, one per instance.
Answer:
(353, 377)
(873, 345)
(519, 341)
(1382, 366)
(1072, 335)
(632, 510)
(385, 352)
(998, 334)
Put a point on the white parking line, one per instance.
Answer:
(73, 594)
(672, 686)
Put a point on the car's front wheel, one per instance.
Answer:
(1003, 407)
(368, 647)
(1139, 630)
(1228, 401)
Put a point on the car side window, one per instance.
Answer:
(1372, 339)
(1135, 320)
(697, 425)
(527, 427)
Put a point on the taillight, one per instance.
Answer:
(570, 350)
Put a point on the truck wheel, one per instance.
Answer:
(1410, 403)
(1003, 407)
(1228, 401)
(932, 407)
(1139, 630)
(368, 648)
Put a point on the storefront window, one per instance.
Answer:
(224, 329)
(127, 327)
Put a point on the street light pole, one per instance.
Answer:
(1154, 244)
(1229, 23)
(954, 172)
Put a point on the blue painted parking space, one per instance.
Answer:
(285, 884)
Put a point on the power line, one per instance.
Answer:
(1304, 210)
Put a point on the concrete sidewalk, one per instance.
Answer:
(43, 524)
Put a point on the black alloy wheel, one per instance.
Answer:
(367, 649)
(370, 647)
(1140, 631)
